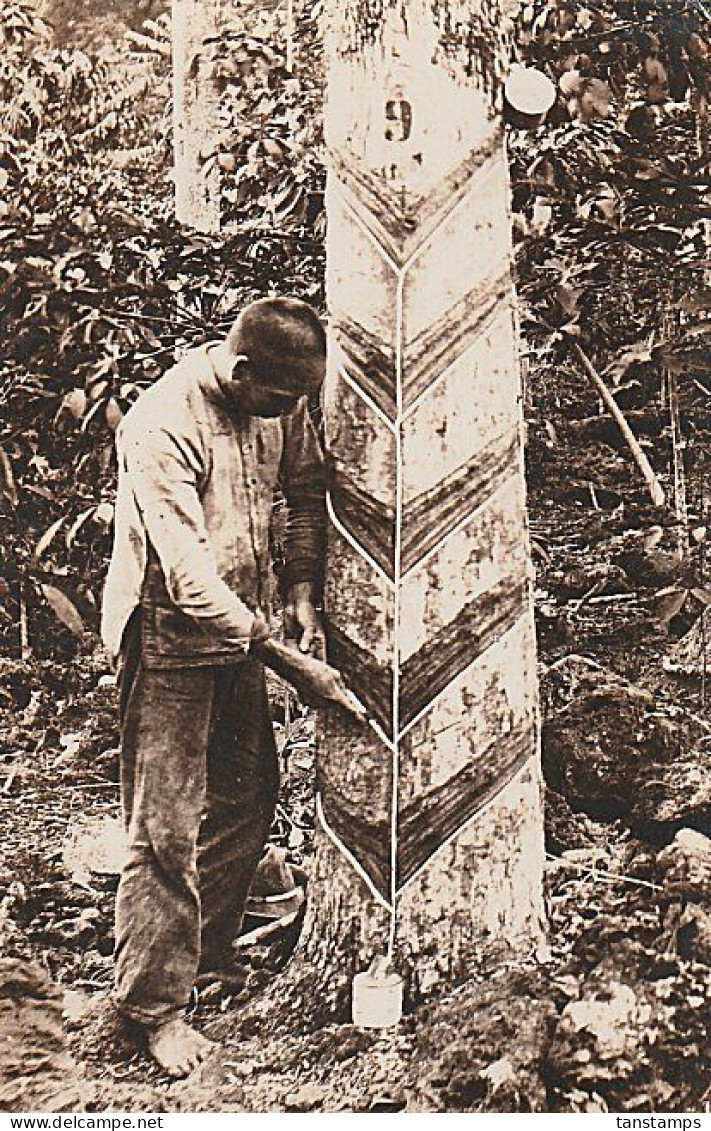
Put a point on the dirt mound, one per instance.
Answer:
(615, 752)
(36, 1072)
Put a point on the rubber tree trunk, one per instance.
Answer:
(195, 115)
(430, 847)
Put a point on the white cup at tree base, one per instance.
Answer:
(377, 997)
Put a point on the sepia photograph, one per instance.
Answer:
(355, 441)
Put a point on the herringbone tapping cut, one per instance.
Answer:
(428, 593)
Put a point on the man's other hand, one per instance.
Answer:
(303, 623)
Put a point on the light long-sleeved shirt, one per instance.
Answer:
(193, 511)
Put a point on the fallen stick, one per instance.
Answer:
(613, 597)
(601, 873)
(259, 934)
(650, 476)
(677, 444)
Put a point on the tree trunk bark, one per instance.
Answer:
(430, 848)
(195, 115)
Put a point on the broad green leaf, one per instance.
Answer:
(48, 536)
(568, 298)
(77, 525)
(63, 609)
(652, 537)
(91, 414)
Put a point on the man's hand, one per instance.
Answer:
(260, 628)
(321, 684)
(316, 681)
(302, 622)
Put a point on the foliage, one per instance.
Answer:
(272, 140)
(271, 81)
(612, 223)
(611, 193)
(100, 295)
(107, 315)
(83, 22)
(64, 113)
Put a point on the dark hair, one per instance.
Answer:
(282, 337)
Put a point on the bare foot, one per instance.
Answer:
(178, 1048)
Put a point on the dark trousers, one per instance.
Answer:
(199, 782)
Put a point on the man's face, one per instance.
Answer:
(259, 398)
(267, 400)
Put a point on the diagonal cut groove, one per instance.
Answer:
(370, 521)
(371, 680)
(430, 819)
(434, 514)
(435, 349)
(456, 646)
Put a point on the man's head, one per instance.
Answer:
(274, 354)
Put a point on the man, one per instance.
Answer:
(185, 607)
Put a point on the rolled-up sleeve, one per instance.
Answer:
(303, 483)
(164, 472)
